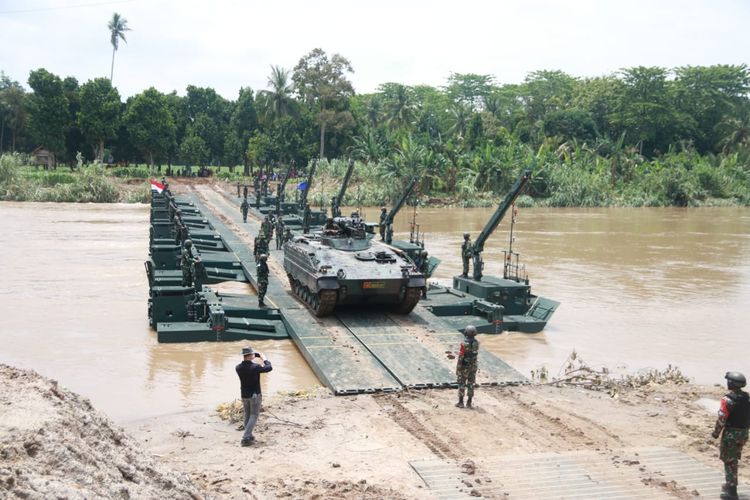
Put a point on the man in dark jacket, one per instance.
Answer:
(249, 372)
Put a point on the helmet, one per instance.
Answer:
(383, 209)
(735, 379)
(470, 331)
(188, 243)
(424, 253)
(466, 236)
(263, 256)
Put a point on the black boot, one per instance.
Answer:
(468, 402)
(460, 403)
(728, 492)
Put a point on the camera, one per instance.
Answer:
(257, 354)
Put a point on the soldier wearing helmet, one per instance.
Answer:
(466, 253)
(262, 276)
(244, 207)
(383, 217)
(186, 263)
(732, 425)
(466, 367)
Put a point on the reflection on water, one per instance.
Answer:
(639, 288)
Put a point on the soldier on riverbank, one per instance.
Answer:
(466, 366)
(244, 207)
(732, 425)
(466, 253)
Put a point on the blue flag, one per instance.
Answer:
(302, 185)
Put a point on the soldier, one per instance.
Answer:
(335, 211)
(288, 236)
(381, 227)
(269, 228)
(279, 232)
(262, 275)
(238, 190)
(306, 219)
(244, 207)
(186, 263)
(424, 268)
(261, 245)
(466, 252)
(734, 420)
(466, 367)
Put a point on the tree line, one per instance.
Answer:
(466, 137)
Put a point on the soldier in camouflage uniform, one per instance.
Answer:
(424, 268)
(381, 226)
(466, 253)
(466, 367)
(288, 236)
(186, 263)
(732, 425)
(269, 228)
(279, 232)
(244, 207)
(262, 275)
(261, 245)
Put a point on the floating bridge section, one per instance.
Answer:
(354, 351)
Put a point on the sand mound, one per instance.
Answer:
(54, 443)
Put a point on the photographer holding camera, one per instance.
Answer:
(249, 372)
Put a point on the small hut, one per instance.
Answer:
(42, 156)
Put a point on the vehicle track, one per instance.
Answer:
(408, 421)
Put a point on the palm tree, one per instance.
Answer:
(117, 27)
(400, 109)
(278, 101)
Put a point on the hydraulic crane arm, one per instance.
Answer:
(397, 206)
(492, 224)
(336, 208)
(303, 198)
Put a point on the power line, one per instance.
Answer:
(64, 7)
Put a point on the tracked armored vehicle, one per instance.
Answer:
(342, 265)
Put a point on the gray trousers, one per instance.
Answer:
(251, 406)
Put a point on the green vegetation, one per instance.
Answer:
(645, 136)
(88, 185)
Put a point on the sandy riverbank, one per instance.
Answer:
(321, 446)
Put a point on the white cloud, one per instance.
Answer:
(227, 44)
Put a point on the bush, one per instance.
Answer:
(131, 172)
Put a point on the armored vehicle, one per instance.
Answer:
(342, 265)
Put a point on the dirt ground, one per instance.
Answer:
(321, 446)
(314, 445)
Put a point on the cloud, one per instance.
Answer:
(228, 44)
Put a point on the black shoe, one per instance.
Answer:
(246, 442)
(460, 403)
(728, 493)
(468, 403)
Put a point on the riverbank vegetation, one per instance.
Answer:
(645, 136)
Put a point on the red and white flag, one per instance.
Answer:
(157, 186)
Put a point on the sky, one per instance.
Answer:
(229, 44)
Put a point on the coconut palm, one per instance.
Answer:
(277, 102)
(118, 25)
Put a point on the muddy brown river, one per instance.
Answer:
(639, 289)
